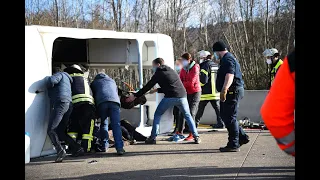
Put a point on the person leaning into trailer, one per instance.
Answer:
(174, 95)
(59, 92)
(82, 118)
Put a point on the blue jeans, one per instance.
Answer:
(229, 112)
(182, 105)
(112, 110)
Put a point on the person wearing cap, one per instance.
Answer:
(273, 60)
(105, 93)
(59, 92)
(230, 85)
(208, 70)
(82, 118)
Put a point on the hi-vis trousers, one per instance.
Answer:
(81, 125)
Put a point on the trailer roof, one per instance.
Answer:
(93, 33)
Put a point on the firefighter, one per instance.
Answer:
(83, 115)
(278, 108)
(273, 60)
(230, 85)
(209, 93)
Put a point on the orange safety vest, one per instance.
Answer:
(278, 108)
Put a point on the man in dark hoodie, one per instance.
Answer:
(59, 91)
(105, 93)
(175, 95)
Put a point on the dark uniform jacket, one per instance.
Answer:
(208, 71)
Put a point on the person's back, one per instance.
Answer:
(59, 86)
(104, 89)
(227, 61)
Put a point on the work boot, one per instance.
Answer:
(189, 138)
(79, 152)
(197, 140)
(120, 152)
(229, 149)
(62, 153)
(150, 140)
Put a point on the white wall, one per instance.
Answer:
(112, 51)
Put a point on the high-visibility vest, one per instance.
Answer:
(278, 108)
(209, 91)
(80, 88)
(275, 69)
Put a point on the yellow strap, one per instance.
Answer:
(209, 98)
(202, 84)
(73, 135)
(204, 71)
(82, 96)
(275, 68)
(87, 136)
(76, 74)
(82, 100)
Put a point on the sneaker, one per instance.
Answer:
(79, 152)
(189, 138)
(228, 149)
(102, 149)
(197, 140)
(150, 140)
(60, 156)
(178, 137)
(218, 126)
(120, 152)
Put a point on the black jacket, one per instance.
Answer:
(168, 80)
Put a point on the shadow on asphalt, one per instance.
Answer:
(211, 172)
(69, 159)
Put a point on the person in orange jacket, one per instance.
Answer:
(278, 108)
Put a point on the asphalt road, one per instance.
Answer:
(259, 159)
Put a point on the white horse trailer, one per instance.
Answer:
(98, 48)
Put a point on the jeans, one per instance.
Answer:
(112, 110)
(229, 112)
(166, 103)
(202, 106)
(193, 101)
(57, 127)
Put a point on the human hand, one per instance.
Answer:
(223, 95)
(130, 98)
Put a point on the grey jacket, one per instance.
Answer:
(59, 87)
(104, 89)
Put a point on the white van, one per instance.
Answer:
(97, 48)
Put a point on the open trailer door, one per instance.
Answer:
(36, 105)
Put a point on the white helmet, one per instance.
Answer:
(77, 67)
(270, 52)
(203, 53)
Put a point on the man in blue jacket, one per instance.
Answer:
(105, 93)
(59, 91)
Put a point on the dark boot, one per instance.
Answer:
(60, 156)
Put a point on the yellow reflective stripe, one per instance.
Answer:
(213, 85)
(76, 74)
(73, 135)
(82, 100)
(204, 71)
(87, 136)
(275, 68)
(287, 139)
(202, 84)
(290, 149)
(82, 96)
(209, 98)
